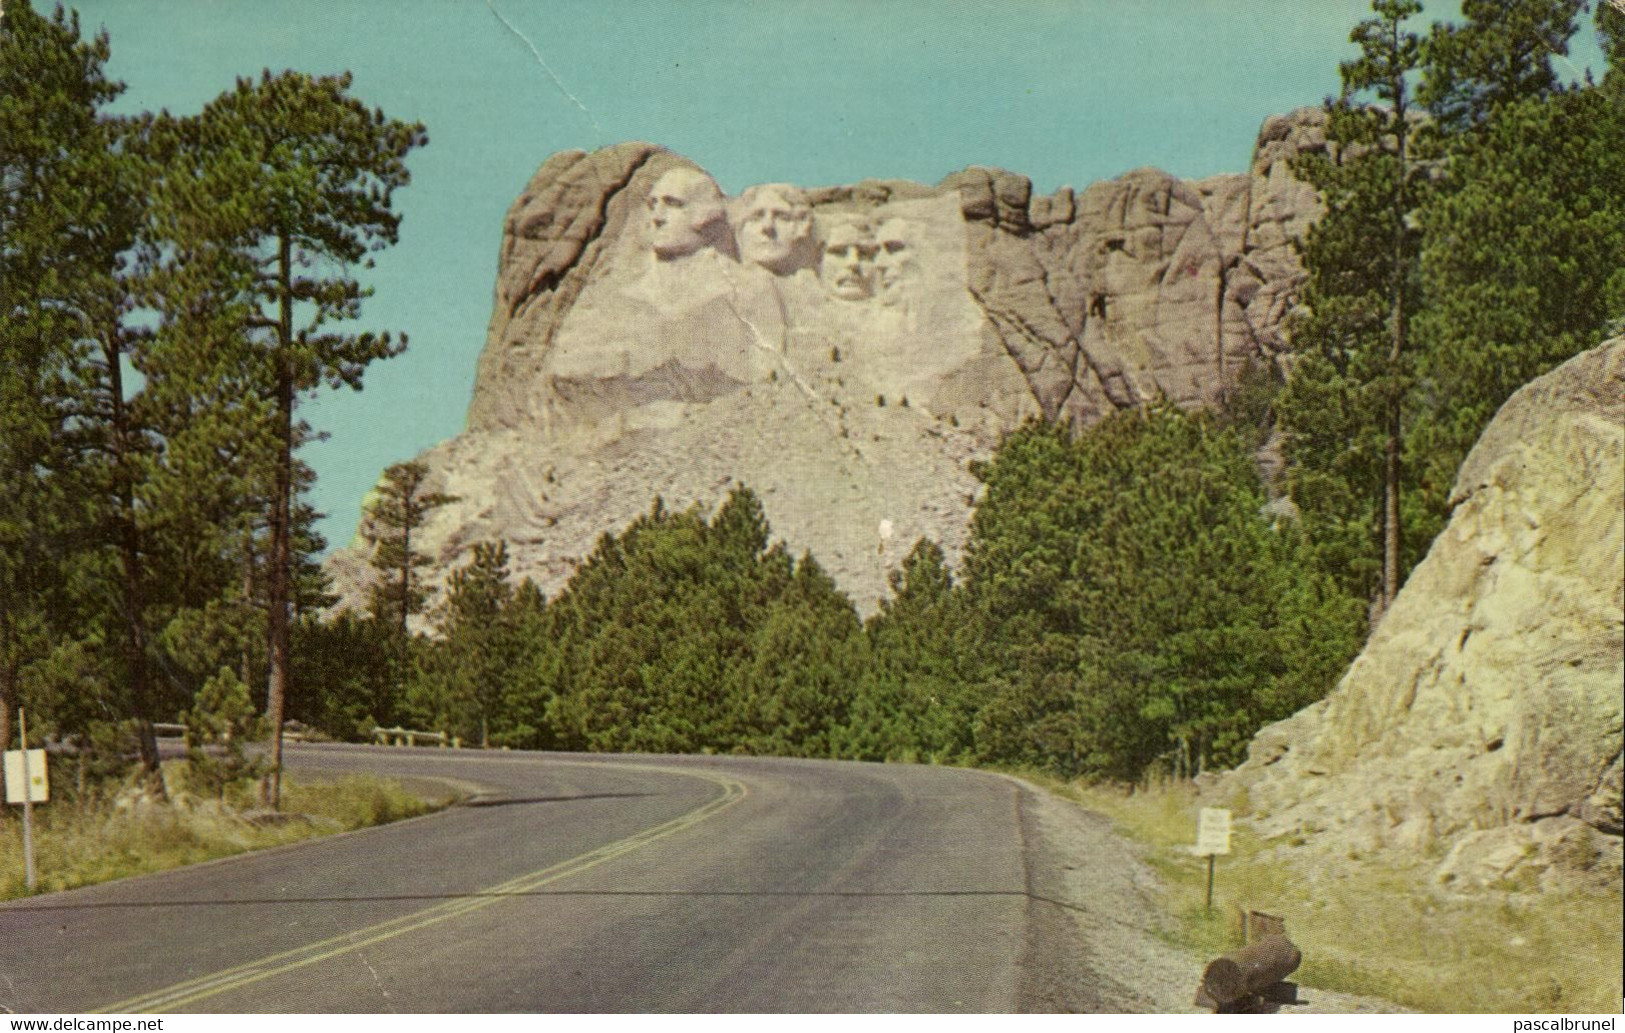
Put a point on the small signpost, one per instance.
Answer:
(27, 783)
(1212, 839)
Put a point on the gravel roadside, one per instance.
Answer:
(1093, 893)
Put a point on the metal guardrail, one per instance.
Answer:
(410, 737)
(292, 731)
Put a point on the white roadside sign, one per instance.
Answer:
(39, 786)
(1212, 832)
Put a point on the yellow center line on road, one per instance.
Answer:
(191, 991)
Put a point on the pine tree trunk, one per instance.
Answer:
(406, 574)
(1390, 516)
(404, 641)
(135, 631)
(8, 692)
(136, 648)
(1390, 492)
(10, 674)
(248, 600)
(280, 518)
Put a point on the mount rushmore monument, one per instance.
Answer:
(846, 352)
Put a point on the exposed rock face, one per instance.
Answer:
(844, 351)
(1484, 716)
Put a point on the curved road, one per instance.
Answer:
(575, 883)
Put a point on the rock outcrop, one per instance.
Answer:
(1482, 722)
(844, 351)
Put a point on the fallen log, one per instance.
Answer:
(1250, 970)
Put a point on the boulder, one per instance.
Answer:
(1483, 719)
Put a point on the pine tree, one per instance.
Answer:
(395, 513)
(343, 677)
(55, 259)
(528, 702)
(274, 193)
(793, 691)
(115, 431)
(911, 701)
(392, 517)
(1343, 406)
(218, 728)
(478, 651)
(1500, 54)
(1524, 254)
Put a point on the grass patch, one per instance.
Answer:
(78, 844)
(1376, 928)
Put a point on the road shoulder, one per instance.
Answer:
(1098, 880)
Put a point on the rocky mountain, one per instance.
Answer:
(844, 351)
(1482, 723)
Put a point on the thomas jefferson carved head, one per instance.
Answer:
(774, 224)
(846, 266)
(685, 214)
(895, 261)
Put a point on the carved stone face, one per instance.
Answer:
(685, 213)
(847, 266)
(894, 260)
(775, 228)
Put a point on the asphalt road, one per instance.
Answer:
(572, 883)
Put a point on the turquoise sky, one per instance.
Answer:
(809, 91)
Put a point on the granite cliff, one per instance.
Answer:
(845, 351)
